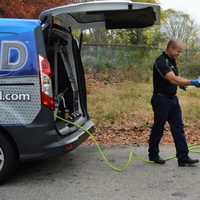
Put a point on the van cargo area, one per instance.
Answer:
(69, 88)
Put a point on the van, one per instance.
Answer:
(42, 77)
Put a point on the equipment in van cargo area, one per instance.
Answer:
(42, 76)
(68, 82)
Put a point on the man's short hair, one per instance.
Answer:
(174, 44)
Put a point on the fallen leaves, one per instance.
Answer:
(138, 135)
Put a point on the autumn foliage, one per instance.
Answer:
(28, 8)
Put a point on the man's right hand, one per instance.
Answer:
(196, 82)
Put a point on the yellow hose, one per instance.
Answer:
(132, 156)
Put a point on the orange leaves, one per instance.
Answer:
(27, 8)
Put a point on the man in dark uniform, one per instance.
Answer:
(166, 106)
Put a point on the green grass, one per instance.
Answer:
(129, 101)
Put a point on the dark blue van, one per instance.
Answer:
(42, 77)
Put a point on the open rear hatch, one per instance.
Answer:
(63, 50)
(108, 14)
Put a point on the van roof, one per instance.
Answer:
(17, 25)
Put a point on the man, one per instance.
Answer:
(166, 106)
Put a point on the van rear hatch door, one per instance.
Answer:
(108, 14)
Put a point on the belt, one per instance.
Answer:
(165, 95)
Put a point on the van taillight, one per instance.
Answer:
(46, 84)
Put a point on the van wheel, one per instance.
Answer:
(8, 159)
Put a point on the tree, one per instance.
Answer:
(135, 36)
(180, 26)
(129, 36)
(28, 8)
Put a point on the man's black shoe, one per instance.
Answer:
(187, 162)
(157, 160)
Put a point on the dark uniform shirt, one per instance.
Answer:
(162, 66)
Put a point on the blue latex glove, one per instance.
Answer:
(196, 82)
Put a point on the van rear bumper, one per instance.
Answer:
(41, 139)
(61, 145)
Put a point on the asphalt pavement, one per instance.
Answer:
(82, 175)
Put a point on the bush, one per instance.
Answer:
(134, 63)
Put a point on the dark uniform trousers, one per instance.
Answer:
(167, 108)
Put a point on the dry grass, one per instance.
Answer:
(122, 112)
(112, 104)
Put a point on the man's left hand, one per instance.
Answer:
(183, 88)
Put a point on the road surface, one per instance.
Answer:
(82, 175)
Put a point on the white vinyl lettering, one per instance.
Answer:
(6, 60)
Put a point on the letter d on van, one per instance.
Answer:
(13, 54)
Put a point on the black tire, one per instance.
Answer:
(8, 159)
